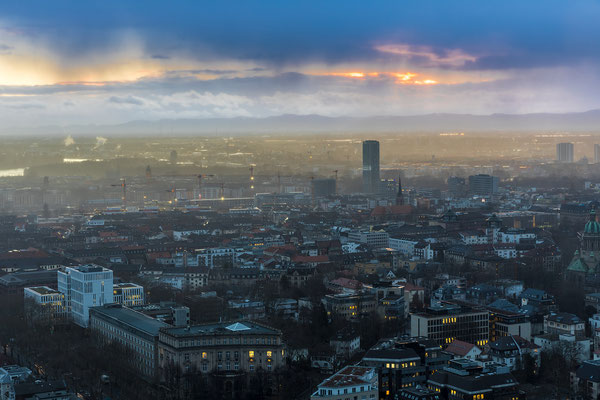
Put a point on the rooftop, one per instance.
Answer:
(129, 317)
(247, 327)
(350, 376)
(42, 290)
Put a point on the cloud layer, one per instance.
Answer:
(63, 62)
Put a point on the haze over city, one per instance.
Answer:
(285, 200)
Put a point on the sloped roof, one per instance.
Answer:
(578, 265)
(460, 348)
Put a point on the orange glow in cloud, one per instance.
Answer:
(401, 78)
(348, 74)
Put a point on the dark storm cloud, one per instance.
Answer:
(501, 34)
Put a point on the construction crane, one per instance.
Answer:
(200, 183)
(123, 185)
(279, 181)
(336, 176)
(312, 190)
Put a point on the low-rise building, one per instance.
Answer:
(451, 321)
(509, 350)
(352, 382)
(567, 323)
(586, 379)
(463, 380)
(567, 344)
(460, 349)
(349, 306)
(374, 239)
(135, 332)
(222, 347)
(345, 343)
(420, 393)
(398, 368)
(128, 294)
(45, 304)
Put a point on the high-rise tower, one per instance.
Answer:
(370, 166)
(564, 152)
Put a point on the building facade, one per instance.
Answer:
(482, 184)
(448, 322)
(352, 382)
(564, 152)
(128, 294)
(45, 304)
(371, 166)
(222, 348)
(84, 287)
(135, 332)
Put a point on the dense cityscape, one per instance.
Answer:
(300, 200)
(243, 281)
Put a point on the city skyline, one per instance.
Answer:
(65, 63)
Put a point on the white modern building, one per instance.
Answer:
(370, 238)
(352, 382)
(84, 287)
(47, 303)
(128, 294)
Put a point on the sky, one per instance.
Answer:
(113, 61)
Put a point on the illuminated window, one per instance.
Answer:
(269, 353)
(251, 354)
(204, 354)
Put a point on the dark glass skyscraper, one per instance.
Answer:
(370, 166)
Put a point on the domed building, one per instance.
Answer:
(584, 269)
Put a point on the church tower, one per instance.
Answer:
(399, 195)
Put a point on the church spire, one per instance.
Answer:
(399, 196)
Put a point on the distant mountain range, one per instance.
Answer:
(297, 124)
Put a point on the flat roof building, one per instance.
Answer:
(350, 382)
(224, 347)
(370, 152)
(450, 321)
(128, 294)
(132, 330)
(84, 287)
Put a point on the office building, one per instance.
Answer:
(128, 294)
(465, 379)
(45, 304)
(352, 382)
(597, 153)
(84, 287)
(229, 347)
(457, 186)
(370, 166)
(349, 306)
(135, 332)
(323, 187)
(483, 185)
(398, 368)
(564, 152)
(404, 364)
(450, 321)
(370, 238)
